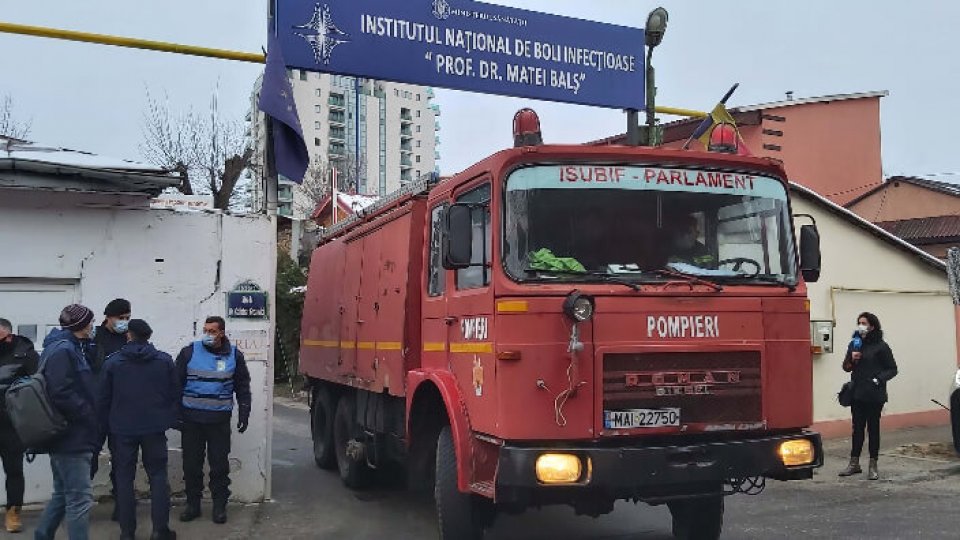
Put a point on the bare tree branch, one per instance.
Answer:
(209, 152)
(9, 125)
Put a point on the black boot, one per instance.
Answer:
(220, 511)
(191, 512)
(163, 535)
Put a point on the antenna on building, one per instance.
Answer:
(789, 95)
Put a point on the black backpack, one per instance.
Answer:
(34, 417)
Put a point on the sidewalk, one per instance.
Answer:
(242, 519)
(907, 456)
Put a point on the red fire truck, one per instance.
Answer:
(566, 324)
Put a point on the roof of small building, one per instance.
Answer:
(946, 188)
(350, 203)
(744, 115)
(925, 230)
(74, 169)
(871, 228)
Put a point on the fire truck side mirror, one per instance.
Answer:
(810, 253)
(458, 233)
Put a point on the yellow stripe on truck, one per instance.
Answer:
(471, 347)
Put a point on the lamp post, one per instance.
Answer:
(656, 27)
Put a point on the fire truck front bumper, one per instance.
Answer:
(571, 474)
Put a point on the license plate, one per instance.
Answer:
(641, 418)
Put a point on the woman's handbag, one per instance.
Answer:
(845, 395)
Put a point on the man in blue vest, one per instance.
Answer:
(212, 371)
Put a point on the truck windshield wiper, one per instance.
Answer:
(765, 278)
(687, 277)
(602, 277)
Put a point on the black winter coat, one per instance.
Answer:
(139, 391)
(18, 359)
(876, 362)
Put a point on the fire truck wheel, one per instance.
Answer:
(457, 513)
(697, 519)
(346, 435)
(321, 428)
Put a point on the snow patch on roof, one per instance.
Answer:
(355, 203)
(14, 149)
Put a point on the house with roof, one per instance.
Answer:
(922, 211)
(830, 144)
(79, 228)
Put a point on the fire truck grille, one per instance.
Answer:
(711, 388)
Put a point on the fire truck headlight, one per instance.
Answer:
(559, 469)
(797, 452)
(578, 306)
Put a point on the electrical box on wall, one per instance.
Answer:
(821, 337)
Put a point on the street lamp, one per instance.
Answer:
(656, 27)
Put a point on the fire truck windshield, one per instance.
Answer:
(563, 222)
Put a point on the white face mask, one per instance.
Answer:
(863, 329)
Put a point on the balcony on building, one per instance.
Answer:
(337, 117)
(338, 133)
(406, 117)
(405, 161)
(436, 109)
(406, 176)
(406, 132)
(336, 151)
(406, 147)
(336, 101)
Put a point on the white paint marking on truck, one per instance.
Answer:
(683, 326)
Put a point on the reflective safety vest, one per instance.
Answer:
(210, 379)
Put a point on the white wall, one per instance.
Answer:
(174, 268)
(918, 327)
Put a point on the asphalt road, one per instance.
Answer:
(915, 499)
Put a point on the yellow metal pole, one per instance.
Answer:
(680, 112)
(134, 43)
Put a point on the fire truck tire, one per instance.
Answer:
(456, 512)
(321, 428)
(354, 472)
(697, 519)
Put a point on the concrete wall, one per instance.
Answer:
(902, 200)
(174, 268)
(920, 328)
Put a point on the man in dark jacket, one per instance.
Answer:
(211, 372)
(17, 359)
(110, 337)
(138, 404)
(71, 389)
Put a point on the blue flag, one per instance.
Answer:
(276, 101)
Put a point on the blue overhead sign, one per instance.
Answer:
(467, 45)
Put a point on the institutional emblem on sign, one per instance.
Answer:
(322, 34)
(441, 9)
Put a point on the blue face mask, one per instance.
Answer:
(208, 340)
(121, 326)
(93, 332)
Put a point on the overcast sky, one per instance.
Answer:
(92, 97)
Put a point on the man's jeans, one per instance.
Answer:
(72, 497)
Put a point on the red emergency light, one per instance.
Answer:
(724, 139)
(526, 128)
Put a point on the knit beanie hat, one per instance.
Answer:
(75, 317)
(117, 307)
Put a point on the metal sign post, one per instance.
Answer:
(953, 277)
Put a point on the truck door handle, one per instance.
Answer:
(449, 320)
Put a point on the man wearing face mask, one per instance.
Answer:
(686, 248)
(17, 359)
(110, 337)
(112, 334)
(71, 389)
(212, 371)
